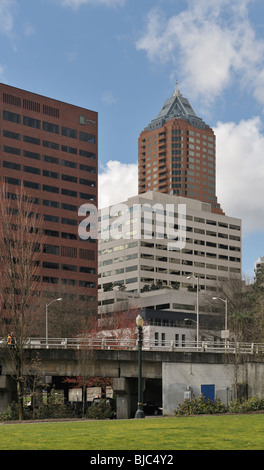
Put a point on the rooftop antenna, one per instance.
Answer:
(176, 92)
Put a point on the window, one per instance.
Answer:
(69, 192)
(69, 164)
(91, 285)
(84, 153)
(87, 182)
(50, 174)
(49, 127)
(85, 269)
(67, 132)
(90, 138)
(12, 117)
(131, 268)
(68, 207)
(12, 150)
(14, 181)
(66, 148)
(51, 189)
(50, 145)
(50, 280)
(31, 184)
(70, 178)
(48, 203)
(31, 169)
(69, 267)
(51, 218)
(31, 122)
(11, 165)
(68, 236)
(89, 169)
(31, 140)
(49, 159)
(34, 155)
(67, 221)
(11, 135)
(51, 233)
(88, 197)
(51, 249)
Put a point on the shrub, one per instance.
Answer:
(11, 413)
(201, 405)
(100, 410)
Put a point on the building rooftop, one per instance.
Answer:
(177, 107)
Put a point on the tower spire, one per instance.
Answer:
(176, 92)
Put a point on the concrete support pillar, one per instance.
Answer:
(126, 397)
(7, 392)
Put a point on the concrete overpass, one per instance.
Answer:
(167, 374)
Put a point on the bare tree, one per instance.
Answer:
(20, 247)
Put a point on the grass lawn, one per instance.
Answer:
(232, 432)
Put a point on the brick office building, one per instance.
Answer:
(50, 147)
(177, 154)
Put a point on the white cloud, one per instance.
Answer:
(29, 30)
(2, 70)
(117, 182)
(7, 8)
(108, 98)
(75, 4)
(210, 44)
(240, 171)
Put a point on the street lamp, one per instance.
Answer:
(197, 308)
(225, 302)
(47, 305)
(140, 412)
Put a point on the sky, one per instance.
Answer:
(122, 59)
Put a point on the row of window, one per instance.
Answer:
(49, 203)
(51, 189)
(53, 160)
(69, 252)
(68, 267)
(30, 105)
(116, 272)
(48, 173)
(51, 145)
(56, 280)
(48, 127)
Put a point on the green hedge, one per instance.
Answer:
(202, 405)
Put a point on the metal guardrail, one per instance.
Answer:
(148, 345)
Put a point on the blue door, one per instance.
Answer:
(208, 391)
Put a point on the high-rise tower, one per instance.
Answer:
(50, 147)
(177, 154)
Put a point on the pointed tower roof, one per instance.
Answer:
(177, 107)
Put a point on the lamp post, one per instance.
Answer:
(225, 302)
(197, 308)
(140, 412)
(47, 305)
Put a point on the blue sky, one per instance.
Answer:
(122, 58)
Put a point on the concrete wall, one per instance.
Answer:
(180, 377)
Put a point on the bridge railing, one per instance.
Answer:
(107, 343)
